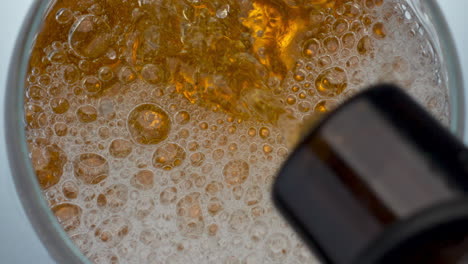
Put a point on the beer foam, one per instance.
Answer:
(143, 175)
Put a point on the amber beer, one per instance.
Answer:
(156, 127)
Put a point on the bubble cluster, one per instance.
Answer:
(156, 127)
(168, 195)
(190, 221)
(148, 124)
(143, 180)
(168, 156)
(236, 172)
(113, 198)
(277, 247)
(90, 36)
(90, 168)
(86, 114)
(48, 161)
(68, 215)
(331, 82)
(112, 230)
(120, 148)
(70, 190)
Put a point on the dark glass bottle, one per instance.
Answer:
(378, 181)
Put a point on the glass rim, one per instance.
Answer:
(450, 59)
(55, 239)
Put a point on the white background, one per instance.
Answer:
(18, 242)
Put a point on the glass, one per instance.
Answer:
(60, 247)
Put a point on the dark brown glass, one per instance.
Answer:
(378, 181)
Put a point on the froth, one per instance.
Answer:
(137, 173)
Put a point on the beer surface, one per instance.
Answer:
(155, 127)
